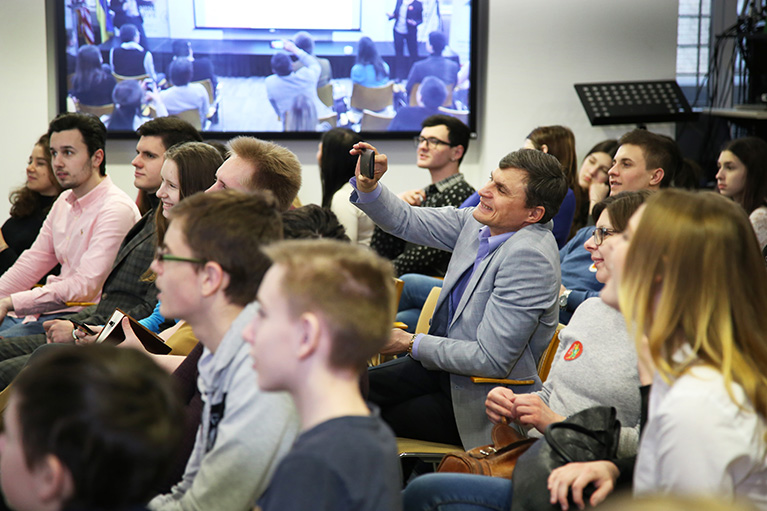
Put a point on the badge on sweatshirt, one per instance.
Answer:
(574, 352)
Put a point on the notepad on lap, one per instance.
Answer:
(113, 333)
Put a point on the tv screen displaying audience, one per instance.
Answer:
(294, 67)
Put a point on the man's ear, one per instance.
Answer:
(97, 158)
(53, 482)
(535, 214)
(545, 148)
(657, 176)
(213, 278)
(310, 333)
(457, 153)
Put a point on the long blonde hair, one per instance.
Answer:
(694, 275)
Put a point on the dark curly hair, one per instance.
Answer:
(24, 201)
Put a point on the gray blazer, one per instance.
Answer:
(506, 316)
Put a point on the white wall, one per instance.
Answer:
(535, 52)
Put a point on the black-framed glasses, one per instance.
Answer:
(161, 255)
(431, 142)
(600, 234)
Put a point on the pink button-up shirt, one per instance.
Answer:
(83, 235)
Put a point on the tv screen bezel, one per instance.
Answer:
(477, 10)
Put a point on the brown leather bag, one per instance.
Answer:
(497, 459)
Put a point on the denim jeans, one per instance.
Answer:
(13, 327)
(457, 492)
(414, 294)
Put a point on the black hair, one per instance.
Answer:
(336, 164)
(91, 128)
(457, 132)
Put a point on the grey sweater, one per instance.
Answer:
(244, 432)
(595, 365)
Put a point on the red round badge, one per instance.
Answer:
(575, 351)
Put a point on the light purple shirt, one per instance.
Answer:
(83, 235)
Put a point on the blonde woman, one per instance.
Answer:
(695, 286)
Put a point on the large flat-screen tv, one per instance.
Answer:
(284, 68)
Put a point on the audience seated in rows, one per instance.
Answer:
(595, 365)
(312, 337)
(244, 431)
(202, 68)
(184, 95)
(440, 149)
(497, 311)
(560, 142)
(92, 82)
(130, 58)
(127, 98)
(128, 12)
(88, 428)
(643, 161)
(435, 64)
(305, 41)
(82, 232)
(30, 205)
(123, 286)
(431, 95)
(369, 70)
(285, 84)
(701, 349)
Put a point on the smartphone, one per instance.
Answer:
(368, 163)
(82, 327)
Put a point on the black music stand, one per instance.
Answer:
(634, 102)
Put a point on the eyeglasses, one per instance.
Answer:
(600, 234)
(431, 142)
(161, 255)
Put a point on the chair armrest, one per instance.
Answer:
(501, 381)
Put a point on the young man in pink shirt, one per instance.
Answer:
(82, 232)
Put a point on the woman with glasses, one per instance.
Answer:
(595, 364)
(689, 274)
(579, 280)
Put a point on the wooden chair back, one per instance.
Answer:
(325, 94)
(461, 115)
(372, 98)
(373, 121)
(121, 78)
(192, 116)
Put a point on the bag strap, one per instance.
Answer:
(491, 450)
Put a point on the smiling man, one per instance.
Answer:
(82, 231)
(498, 308)
(440, 148)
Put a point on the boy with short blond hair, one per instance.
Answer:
(325, 307)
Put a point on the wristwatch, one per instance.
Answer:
(563, 299)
